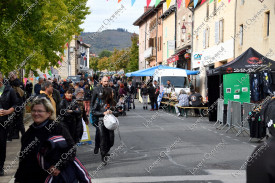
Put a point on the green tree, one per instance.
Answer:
(104, 63)
(105, 53)
(94, 63)
(33, 31)
(134, 55)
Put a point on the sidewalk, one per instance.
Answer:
(11, 163)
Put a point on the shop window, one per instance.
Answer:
(267, 24)
(241, 35)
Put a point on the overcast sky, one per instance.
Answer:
(103, 9)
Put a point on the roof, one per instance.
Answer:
(172, 8)
(147, 13)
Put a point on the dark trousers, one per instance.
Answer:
(153, 102)
(97, 133)
(3, 145)
(18, 126)
(107, 138)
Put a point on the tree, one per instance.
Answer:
(94, 63)
(134, 55)
(105, 53)
(34, 31)
(103, 64)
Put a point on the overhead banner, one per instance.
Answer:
(173, 59)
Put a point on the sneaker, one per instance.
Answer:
(178, 114)
(96, 150)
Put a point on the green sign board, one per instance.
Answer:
(236, 87)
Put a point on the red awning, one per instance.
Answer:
(173, 59)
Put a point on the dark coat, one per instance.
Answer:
(107, 137)
(29, 170)
(72, 121)
(37, 88)
(261, 164)
(144, 91)
(8, 99)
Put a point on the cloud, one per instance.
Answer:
(103, 9)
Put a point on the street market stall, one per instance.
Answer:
(248, 78)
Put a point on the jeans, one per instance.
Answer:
(153, 102)
(130, 98)
(145, 100)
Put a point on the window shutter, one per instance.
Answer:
(221, 31)
(204, 38)
(217, 32)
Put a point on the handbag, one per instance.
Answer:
(110, 122)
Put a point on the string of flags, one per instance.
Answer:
(187, 2)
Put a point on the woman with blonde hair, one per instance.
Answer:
(44, 127)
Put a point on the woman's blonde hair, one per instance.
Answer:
(47, 104)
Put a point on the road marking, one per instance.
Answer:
(236, 139)
(221, 134)
(228, 137)
(223, 175)
(172, 161)
(253, 146)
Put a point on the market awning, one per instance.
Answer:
(150, 71)
(247, 62)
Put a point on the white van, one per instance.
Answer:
(177, 77)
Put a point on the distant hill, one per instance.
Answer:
(107, 40)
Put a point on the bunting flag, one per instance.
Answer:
(179, 3)
(59, 63)
(220, 0)
(203, 1)
(148, 3)
(157, 2)
(62, 57)
(67, 44)
(119, 1)
(31, 79)
(133, 2)
(37, 78)
(45, 76)
(187, 3)
(211, 1)
(168, 3)
(50, 73)
(25, 81)
(195, 3)
(229, 1)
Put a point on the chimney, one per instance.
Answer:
(146, 9)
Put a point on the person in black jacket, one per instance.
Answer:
(29, 87)
(17, 125)
(153, 95)
(130, 94)
(35, 137)
(144, 94)
(97, 93)
(260, 165)
(103, 106)
(8, 102)
(69, 112)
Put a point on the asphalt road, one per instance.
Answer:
(157, 146)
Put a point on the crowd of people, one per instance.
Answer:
(58, 110)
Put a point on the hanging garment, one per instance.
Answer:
(266, 82)
(255, 87)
